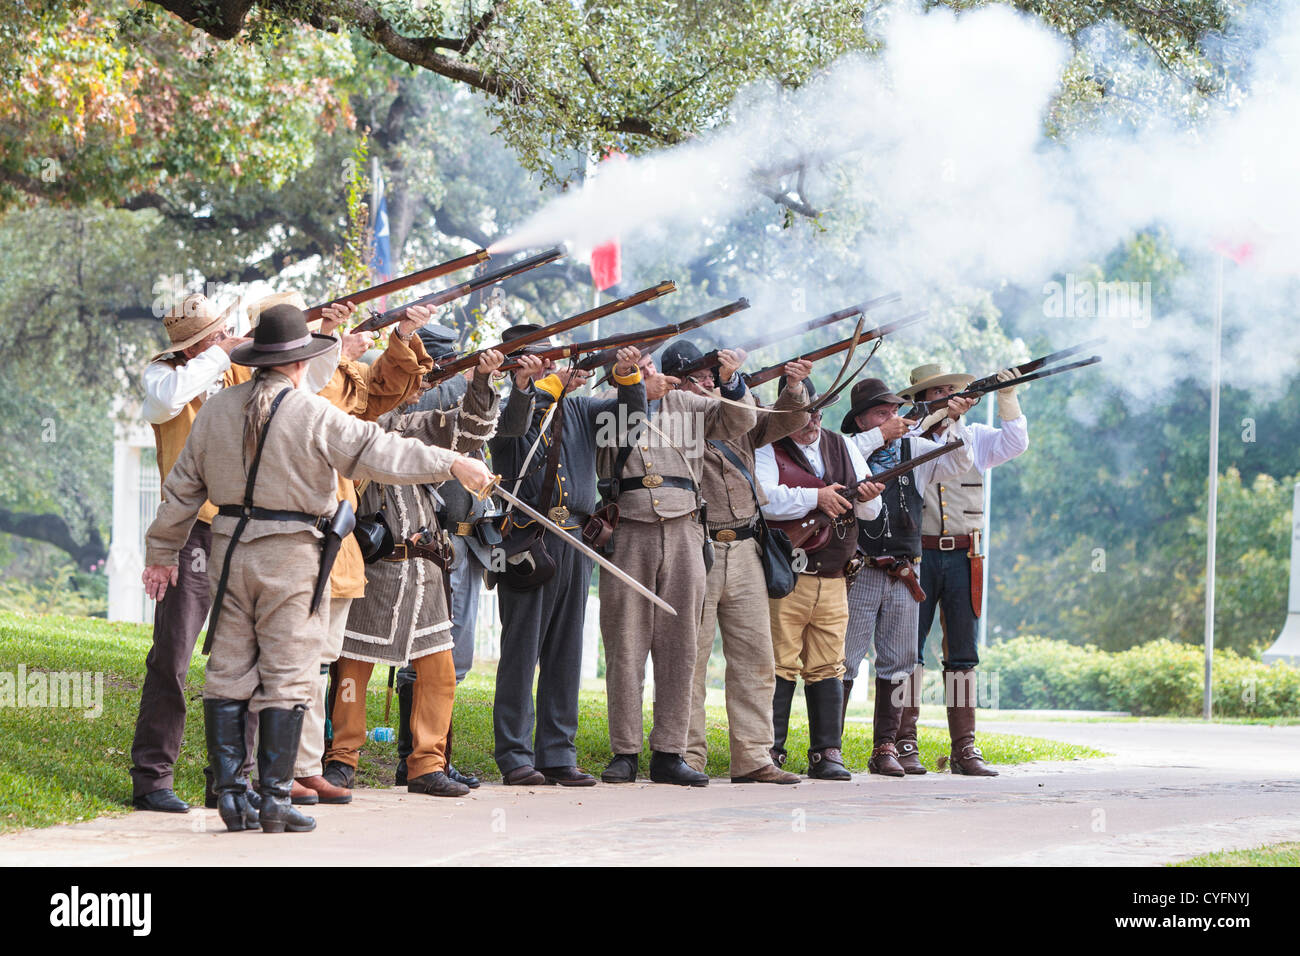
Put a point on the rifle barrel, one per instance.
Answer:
(402, 282)
(774, 371)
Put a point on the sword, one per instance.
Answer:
(494, 488)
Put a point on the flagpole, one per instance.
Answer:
(984, 540)
(1212, 508)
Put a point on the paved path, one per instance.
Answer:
(1171, 791)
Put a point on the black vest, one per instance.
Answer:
(897, 532)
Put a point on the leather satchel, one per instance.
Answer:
(774, 547)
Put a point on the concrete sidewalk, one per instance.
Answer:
(1172, 791)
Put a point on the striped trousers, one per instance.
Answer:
(883, 614)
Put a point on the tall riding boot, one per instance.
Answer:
(468, 779)
(224, 722)
(909, 757)
(825, 761)
(276, 750)
(782, 698)
(844, 706)
(888, 713)
(405, 743)
(965, 757)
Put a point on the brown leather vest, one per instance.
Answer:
(794, 471)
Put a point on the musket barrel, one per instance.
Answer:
(402, 282)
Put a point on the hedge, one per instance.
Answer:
(1161, 678)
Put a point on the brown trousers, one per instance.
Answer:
(667, 557)
(432, 700)
(736, 599)
(808, 626)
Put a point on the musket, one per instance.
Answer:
(774, 371)
(1033, 365)
(991, 384)
(662, 333)
(813, 531)
(434, 299)
(494, 488)
(402, 282)
(711, 360)
(442, 371)
(610, 343)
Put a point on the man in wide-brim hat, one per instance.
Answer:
(884, 599)
(195, 365)
(952, 565)
(266, 640)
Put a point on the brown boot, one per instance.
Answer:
(909, 757)
(966, 758)
(884, 754)
(325, 791)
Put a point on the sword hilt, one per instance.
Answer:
(486, 491)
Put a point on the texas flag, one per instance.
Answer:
(606, 258)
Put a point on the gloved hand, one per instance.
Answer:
(1008, 403)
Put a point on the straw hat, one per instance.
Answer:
(294, 299)
(933, 376)
(190, 321)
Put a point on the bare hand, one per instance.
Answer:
(657, 385)
(157, 578)
(530, 367)
(472, 474)
(355, 345)
(870, 489)
(412, 319)
(572, 378)
(831, 502)
(797, 371)
(895, 428)
(231, 342)
(628, 358)
(957, 407)
(729, 362)
(332, 316)
(489, 362)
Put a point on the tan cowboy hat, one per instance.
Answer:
(294, 299)
(190, 321)
(933, 376)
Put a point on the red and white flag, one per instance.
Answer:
(606, 258)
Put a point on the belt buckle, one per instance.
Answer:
(726, 534)
(950, 545)
(652, 481)
(464, 527)
(558, 514)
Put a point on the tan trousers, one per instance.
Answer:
(808, 628)
(736, 600)
(433, 697)
(311, 745)
(667, 557)
(268, 646)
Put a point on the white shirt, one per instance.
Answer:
(787, 503)
(940, 469)
(169, 389)
(995, 446)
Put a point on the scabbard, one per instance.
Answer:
(344, 521)
(976, 583)
(904, 572)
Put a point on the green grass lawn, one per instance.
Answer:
(1279, 854)
(58, 766)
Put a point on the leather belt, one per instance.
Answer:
(901, 569)
(945, 542)
(727, 535)
(321, 524)
(653, 482)
(461, 529)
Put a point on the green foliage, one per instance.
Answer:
(1278, 854)
(1159, 678)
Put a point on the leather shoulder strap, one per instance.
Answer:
(261, 443)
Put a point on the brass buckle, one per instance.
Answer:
(726, 535)
(464, 528)
(652, 481)
(947, 543)
(558, 514)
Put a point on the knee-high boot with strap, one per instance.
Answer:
(782, 699)
(885, 721)
(278, 746)
(224, 726)
(909, 757)
(966, 759)
(825, 760)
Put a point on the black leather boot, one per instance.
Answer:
(671, 768)
(825, 704)
(280, 733)
(224, 726)
(847, 687)
(782, 698)
(466, 779)
(405, 743)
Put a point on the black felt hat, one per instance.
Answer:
(867, 393)
(281, 338)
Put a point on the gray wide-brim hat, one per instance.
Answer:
(281, 338)
(867, 393)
